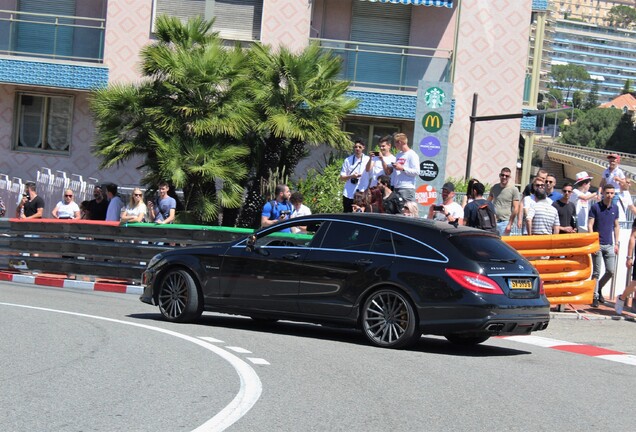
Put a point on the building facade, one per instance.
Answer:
(51, 57)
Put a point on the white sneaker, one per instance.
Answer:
(618, 307)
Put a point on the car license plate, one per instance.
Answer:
(520, 284)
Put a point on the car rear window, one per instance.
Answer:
(484, 248)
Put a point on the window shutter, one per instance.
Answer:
(45, 38)
(238, 19)
(384, 24)
(182, 9)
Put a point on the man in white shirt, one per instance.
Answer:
(405, 169)
(450, 211)
(625, 203)
(380, 162)
(352, 169)
(115, 203)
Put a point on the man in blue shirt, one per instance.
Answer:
(278, 209)
(603, 219)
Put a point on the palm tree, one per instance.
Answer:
(186, 119)
(300, 102)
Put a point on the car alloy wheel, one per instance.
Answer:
(178, 297)
(388, 319)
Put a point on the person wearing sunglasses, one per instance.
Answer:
(566, 210)
(67, 208)
(136, 210)
(505, 196)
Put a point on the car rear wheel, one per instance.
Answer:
(178, 297)
(389, 320)
(467, 339)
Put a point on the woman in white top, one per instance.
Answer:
(67, 208)
(580, 198)
(136, 210)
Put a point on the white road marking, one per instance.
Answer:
(258, 361)
(211, 339)
(538, 341)
(239, 350)
(250, 389)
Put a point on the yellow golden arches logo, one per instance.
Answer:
(432, 122)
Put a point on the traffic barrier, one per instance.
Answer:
(564, 262)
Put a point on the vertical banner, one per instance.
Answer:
(430, 139)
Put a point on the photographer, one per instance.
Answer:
(31, 206)
(449, 211)
(278, 209)
(352, 171)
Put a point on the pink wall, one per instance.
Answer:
(128, 26)
(491, 54)
(332, 19)
(286, 22)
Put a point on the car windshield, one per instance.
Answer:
(485, 248)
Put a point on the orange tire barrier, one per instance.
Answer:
(563, 262)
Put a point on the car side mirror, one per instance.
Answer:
(251, 241)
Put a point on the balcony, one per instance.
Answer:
(54, 37)
(389, 67)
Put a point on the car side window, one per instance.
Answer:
(349, 236)
(383, 243)
(283, 238)
(408, 247)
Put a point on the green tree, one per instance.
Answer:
(594, 128)
(622, 16)
(569, 77)
(322, 189)
(577, 99)
(185, 120)
(627, 88)
(300, 103)
(591, 100)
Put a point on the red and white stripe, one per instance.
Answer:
(70, 283)
(588, 350)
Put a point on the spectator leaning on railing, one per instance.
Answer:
(163, 210)
(31, 206)
(67, 208)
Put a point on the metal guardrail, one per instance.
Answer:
(59, 37)
(394, 67)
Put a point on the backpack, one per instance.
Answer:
(486, 218)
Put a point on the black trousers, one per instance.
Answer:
(346, 204)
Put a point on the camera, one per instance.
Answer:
(438, 208)
(375, 153)
(285, 212)
(354, 181)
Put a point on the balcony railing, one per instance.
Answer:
(390, 67)
(58, 37)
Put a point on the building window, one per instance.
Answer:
(43, 122)
(370, 133)
(234, 19)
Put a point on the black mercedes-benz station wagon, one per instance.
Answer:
(392, 277)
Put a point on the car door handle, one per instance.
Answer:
(292, 256)
(363, 261)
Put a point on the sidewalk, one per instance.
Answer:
(587, 312)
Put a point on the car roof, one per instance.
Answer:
(396, 222)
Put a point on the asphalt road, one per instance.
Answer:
(91, 361)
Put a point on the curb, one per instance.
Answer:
(59, 282)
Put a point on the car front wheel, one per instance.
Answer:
(178, 297)
(389, 320)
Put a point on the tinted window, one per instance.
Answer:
(302, 235)
(383, 243)
(482, 248)
(349, 236)
(406, 246)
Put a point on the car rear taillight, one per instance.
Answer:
(541, 287)
(474, 281)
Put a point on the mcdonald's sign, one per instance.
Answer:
(432, 121)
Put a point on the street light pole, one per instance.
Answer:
(556, 102)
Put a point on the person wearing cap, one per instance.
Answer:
(580, 198)
(449, 211)
(505, 197)
(613, 174)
